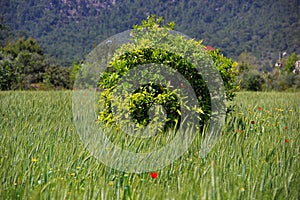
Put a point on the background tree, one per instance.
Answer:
(23, 66)
(57, 77)
(252, 80)
(69, 29)
(27, 62)
(8, 71)
(289, 65)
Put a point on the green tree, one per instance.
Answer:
(23, 62)
(246, 62)
(8, 71)
(57, 77)
(140, 52)
(289, 65)
(252, 80)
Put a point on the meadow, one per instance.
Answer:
(257, 156)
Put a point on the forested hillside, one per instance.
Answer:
(69, 29)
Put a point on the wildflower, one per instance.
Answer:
(252, 122)
(78, 167)
(72, 174)
(286, 128)
(33, 160)
(259, 108)
(286, 140)
(154, 175)
(242, 189)
(239, 131)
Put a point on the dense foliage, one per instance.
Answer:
(280, 77)
(69, 29)
(147, 38)
(22, 63)
(23, 66)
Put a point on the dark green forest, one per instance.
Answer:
(45, 41)
(68, 29)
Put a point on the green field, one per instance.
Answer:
(257, 157)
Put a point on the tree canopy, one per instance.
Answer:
(68, 30)
(151, 44)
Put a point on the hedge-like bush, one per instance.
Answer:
(141, 53)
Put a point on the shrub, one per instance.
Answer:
(22, 64)
(141, 52)
(252, 81)
(57, 77)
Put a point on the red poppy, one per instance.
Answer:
(252, 122)
(236, 130)
(286, 140)
(286, 128)
(154, 175)
(259, 108)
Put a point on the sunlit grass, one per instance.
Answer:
(257, 157)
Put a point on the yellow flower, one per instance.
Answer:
(34, 160)
(242, 189)
(78, 167)
(72, 174)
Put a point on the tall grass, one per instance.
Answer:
(257, 156)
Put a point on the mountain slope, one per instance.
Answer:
(69, 29)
